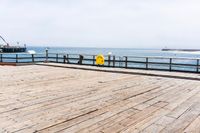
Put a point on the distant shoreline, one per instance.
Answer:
(185, 50)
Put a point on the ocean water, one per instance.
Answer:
(117, 52)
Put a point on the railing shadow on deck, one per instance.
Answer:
(129, 62)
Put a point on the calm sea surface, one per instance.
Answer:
(117, 51)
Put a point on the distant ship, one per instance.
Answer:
(6, 48)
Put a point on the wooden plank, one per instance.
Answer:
(194, 127)
(111, 104)
(124, 124)
(180, 124)
(183, 107)
(67, 100)
(152, 129)
(141, 126)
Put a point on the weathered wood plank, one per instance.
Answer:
(49, 99)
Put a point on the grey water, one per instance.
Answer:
(116, 51)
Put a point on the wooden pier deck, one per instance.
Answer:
(49, 99)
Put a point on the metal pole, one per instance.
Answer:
(170, 64)
(93, 60)
(80, 62)
(33, 58)
(47, 55)
(16, 58)
(1, 58)
(113, 61)
(197, 65)
(67, 58)
(64, 59)
(147, 60)
(57, 58)
(126, 61)
(108, 60)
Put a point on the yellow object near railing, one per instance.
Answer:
(100, 60)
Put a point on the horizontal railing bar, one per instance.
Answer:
(150, 57)
(156, 57)
(151, 63)
(160, 57)
(176, 64)
(139, 62)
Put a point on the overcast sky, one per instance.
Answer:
(102, 23)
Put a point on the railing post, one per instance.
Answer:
(1, 58)
(33, 60)
(113, 61)
(93, 60)
(16, 58)
(126, 61)
(108, 60)
(80, 62)
(170, 64)
(197, 65)
(47, 55)
(67, 58)
(64, 59)
(147, 63)
(56, 58)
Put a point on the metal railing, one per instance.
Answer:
(128, 62)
